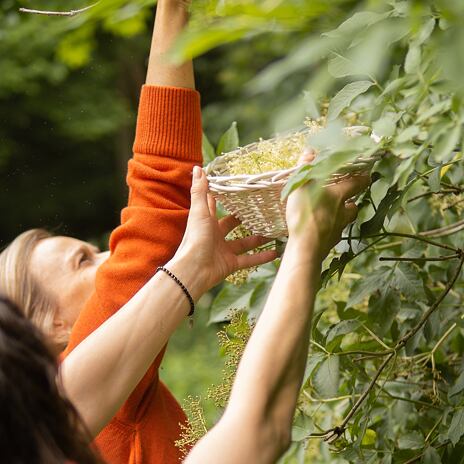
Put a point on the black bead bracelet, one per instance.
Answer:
(182, 286)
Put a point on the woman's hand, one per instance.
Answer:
(204, 248)
(317, 223)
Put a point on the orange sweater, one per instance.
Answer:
(167, 145)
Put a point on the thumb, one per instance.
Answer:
(199, 194)
(307, 156)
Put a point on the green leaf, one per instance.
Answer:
(408, 134)
(456, 429)
(440, 107)
(345, 97)
(207, 149)
(339, 66)
(359, 20)
(384, 127)
(431, 456)
(338, 331)
(458, 386)
(229, 140)
(373, 225)
(302, 427)
(230, 298)
(383, 308)
(413, 59)
(296, 180)
(327, 377)
(443, 150)
(426, 31)
(411, 440)
(370, 284)
(314, 359)
(408, 281)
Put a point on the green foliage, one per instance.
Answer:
(384, 377)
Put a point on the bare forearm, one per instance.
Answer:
(270, 375)
(171, 19)
(266, 387)
(103, 370)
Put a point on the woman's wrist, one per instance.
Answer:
(306, 251)
(182, 265)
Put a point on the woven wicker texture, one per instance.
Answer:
(255, 199)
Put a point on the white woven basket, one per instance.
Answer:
(255, 199)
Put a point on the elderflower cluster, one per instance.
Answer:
(195, 427)
(241, 276)
(274, 154)
(452, 202)
(232, 341)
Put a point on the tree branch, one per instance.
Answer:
(438, 258)
(57, 13)
(444, 231)
(432, 308)
(419, 237)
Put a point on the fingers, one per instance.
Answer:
(352, 186)
(307, 157)
(212, 206)
(199, 194)
(228, 224)
(257, 259)
(248, 243)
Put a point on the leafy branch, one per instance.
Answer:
(334, 433)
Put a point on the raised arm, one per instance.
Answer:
(167, 146)
(264, 395)
(102, 371)
(171, 18)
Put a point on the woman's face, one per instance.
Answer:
(65, 268)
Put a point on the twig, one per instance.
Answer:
(326, 400)
(430, 145)
(337, 431)
(57, 13)
(438, 258)
(419, 237)
(432, 308)
(418, 457)
(453, 191)
(444, 231)
(454, 204)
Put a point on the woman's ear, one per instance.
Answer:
(61, 331)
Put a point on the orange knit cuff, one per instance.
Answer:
(169, 123)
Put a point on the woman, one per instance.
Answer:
(259, 414)
(55, 279)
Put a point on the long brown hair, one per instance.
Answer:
(19, 285)
(37, 424)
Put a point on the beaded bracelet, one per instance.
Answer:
(182, 286)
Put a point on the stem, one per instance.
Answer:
(453, 191)
(454, 204)
(429, 312)
(409, 400)
(57, 13)
(444, 231)
(337, 431)
(438, 258)
(415, 237)
(417, 458)
(326, 400)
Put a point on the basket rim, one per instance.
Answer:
(242, 182)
